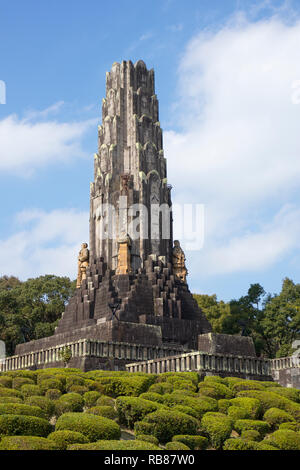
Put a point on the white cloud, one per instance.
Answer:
(238, 151)
(45, 243)
(27, 144)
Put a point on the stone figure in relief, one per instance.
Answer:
(179, 267)
(83, 262)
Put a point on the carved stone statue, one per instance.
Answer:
(179, 267)
(83, 262)
(124, 256)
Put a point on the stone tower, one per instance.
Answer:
(130, 169)
(132, 291)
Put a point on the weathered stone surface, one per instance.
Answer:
(226, 344)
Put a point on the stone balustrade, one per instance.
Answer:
(207, 363)
(87, 348)
(285, 363)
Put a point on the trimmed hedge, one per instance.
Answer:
(105, 401)
(81, 389)
(70, 402)
(48, 384)
(131, 409)
(161, 388)
(63, 439)
(27, 443)
(147, 438)
(10, 400)
(165, 424)
(247, 424)
(152, 396)
(193, 442)
(21, 409)
(18, 382)
(127, 386)
(292, 426)
(28, 390)
(290, 393)
(105, 411)
(21, 425)
(9, 392)
(44, 403)
(187, 410)
(90, 398)
(224, 405)
(176, 446)
(217, 427)
(221, 391)
(251, 435)
(5, 381)
(238, 444)
(53, 394)
(91, 426)
(273, 400)
(275, 416)
(247, 385)
(115, 445)
(284, 439)
(237, 412)
(252, 405)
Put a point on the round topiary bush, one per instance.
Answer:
(146, 438)
(275, 416)
(273, 400)
(68, 403)
(284, 439)
(214, 378)
(5, 381)
(18, 382)
(252, 405)
(115, 445)
(290, 393)
(10, 400)
(239, 444)
(165, 424)
(223, 405)
(246, 424)
(63, 439)
(44, 403)
(21, 409)
(106, 411)
(193, 442)
(132, 409)
(9, 392)
(187, 410)
(221, 391)
(90, 398)
(247, 385)
(161, 388)
(91, 426)
(251, 435)
(18, 425)
(48, 384)
(176, 446)
(31, 390)
(72, 380)
(217, 427)
(293, 426)
(105, 401)
(152, 396)
(53, 394)
(237, 412)
(81, 389)
(27, 443)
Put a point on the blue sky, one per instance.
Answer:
(227, 78)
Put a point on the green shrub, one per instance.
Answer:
(209, 392)
(63, 439)
(10, 400)
(246, 424)
(223, 405)
(284, 439)
(90, 398)
(187, 410)
(44, 403)
(91, 426)
(275, 416)
(193, 442)
(169, 376)
(105, 401)
(15, 425)
(131, 409)
(9, 392)
(53, 394)
(161, 388)
(292, 426)
(264, 446)
(48, 384)
(18, 382)
(27, 443)
(68, 403)
(176, 446)
(152, 396)
(179, 384)
(5, 382)
(221, 390)
(239, 444)
(127, 386)
(247, 385)
(81, 389)
(26, 374)
(165, 424)
(252, 405)
(146, 438)
(72, 380)
(141, 427)
(31, 390)
(214, 379)
(237, 412)
(290, 393)
(21, 409)
(217, 427)
(201, 405)
(230, 381)
(115, 445)
(251, 435)
(273, 400)
(106, 411)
